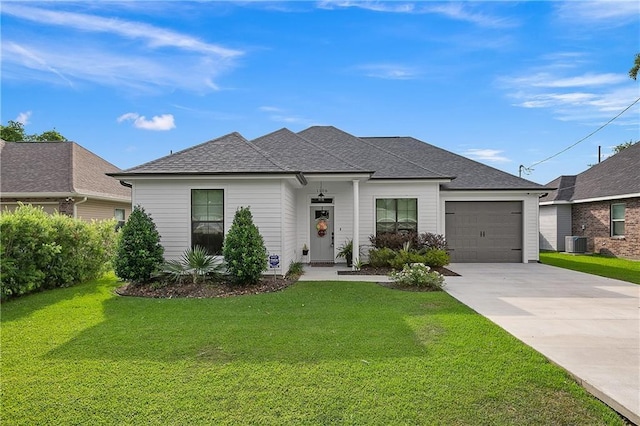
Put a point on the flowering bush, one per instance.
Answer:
(418, 275)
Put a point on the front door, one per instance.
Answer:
(321, 248)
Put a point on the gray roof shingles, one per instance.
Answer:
(326, 149)
(227, 154)
(57, 168)
(618, 175)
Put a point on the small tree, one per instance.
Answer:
(244, 250)
(139, 252)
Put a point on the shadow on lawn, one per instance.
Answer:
(28, 304)
(310, 322)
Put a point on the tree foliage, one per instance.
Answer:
(139, 252)
(622, 146)
(633, 72)
(14, 132)
(244, 250)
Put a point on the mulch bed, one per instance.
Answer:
(170, 290)
(370, 270)
(268, 284)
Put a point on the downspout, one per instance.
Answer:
(75, 207)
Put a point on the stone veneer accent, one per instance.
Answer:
(596, 217)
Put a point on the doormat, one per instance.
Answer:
(322, 264)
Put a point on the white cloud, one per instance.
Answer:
(24, 117)
(158, 122)
(112, 52)
(564, 86)
(489, 155)
(281, 115)
(614, 13)
(456, 11)
(389, 71)
(155, 37)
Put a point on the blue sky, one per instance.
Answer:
(505, 83)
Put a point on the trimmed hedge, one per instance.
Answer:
(41, 251)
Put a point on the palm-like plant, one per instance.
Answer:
(195, 262)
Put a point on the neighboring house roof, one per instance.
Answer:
(326, 149)
(615, 177)
(56, 169)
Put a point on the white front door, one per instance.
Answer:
(321, 248)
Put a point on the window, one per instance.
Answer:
(207, 219)
(617, 220)
(396, 215)
(119, 215)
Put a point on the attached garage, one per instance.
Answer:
(484, 231)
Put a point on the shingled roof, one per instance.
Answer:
(326, 149)
(617, 176)
(56, 169)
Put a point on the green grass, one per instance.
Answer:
(610, 267)
(316, 353)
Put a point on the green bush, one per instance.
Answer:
(48, 251)
(436, 258)
(139, 253)
(404, 257)
(244, 250)
(418, 275)
(382, 257)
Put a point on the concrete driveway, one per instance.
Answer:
(587, 324)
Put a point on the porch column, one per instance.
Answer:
(356, 222)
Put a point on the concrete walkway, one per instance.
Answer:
(330, 273)
(586, 324)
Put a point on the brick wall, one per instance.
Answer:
(596, 218)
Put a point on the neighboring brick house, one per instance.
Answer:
(62, 177)
(602, 203)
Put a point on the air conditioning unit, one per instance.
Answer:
(573, 244)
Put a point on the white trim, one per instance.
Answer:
(75, 206)
(591, 200)
(356, 223)
(172, 177)
(405, 181)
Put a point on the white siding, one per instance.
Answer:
(548, 228)
(169, 204)
(291, 250)
(342, 194)
(530, 225)
(555, 224)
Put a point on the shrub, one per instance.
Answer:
(418, 275)
(195, 263)
(244, 250)
(48, 251)
(139, 252)
(381, 257)
(436, 258)
(428, 241)
(393, 240)
(404, 257)
(295, 269)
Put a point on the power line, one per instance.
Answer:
(583, 139)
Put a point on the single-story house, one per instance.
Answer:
(322, 187)
(62, 177)
(602, 204)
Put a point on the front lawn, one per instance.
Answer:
(315, 353)
(610, 267)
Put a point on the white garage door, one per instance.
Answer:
(484, 231)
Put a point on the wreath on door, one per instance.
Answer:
(321, 227)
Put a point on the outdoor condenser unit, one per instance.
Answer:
(573, 244)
